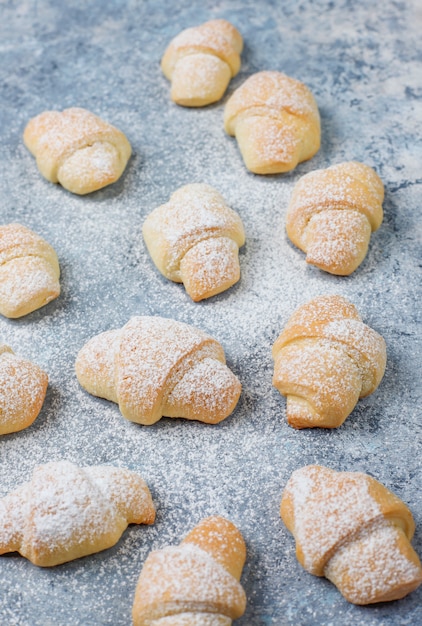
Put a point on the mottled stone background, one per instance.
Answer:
(362, 61)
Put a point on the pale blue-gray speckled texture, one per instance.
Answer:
(362, 60)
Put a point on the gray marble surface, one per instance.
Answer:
(362, 62)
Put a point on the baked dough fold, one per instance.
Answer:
(155, 367)
(332, 213)
(23, 386)
(196, 583)
(325, 359)
(352, 530)
(275, 120)
(29, 271)
(194, 238)
(66, 512)
(77, 149)
(200, 62)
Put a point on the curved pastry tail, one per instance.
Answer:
(337, 240)
(222, 540)
(199, 79)
(208, 389)
(379, 565)
(210, 267)
(91, 168)
(12, 520)
(268, 145)
(127, 490)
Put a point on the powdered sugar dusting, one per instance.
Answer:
(62, 513)
(77, 148)
(326, 514)
(275, 92)
(193, 214)
(364, 345)
(193, 580)
(156, 366)
(373, 566)
(22, 391)
(211, 38)
(337, 241)
(327, 359)
(29, 271)
(365, 77)
(343, 187)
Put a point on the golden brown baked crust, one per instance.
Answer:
(196, 583)
(352, 530)
(201, 61)
(155, 367)
(77, 149)
(23, 386)
(66, 512)
(325, 359)
(275, 120)
(29, 271)
(332, 213)
(194, 238)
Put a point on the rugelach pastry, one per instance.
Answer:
(275, 120)
(332, 214)
(195, 583)
(23, 386)
(66, 512)
(194, 238)
(352, 530)
(155, 367)
(77, 149)
(325, 359)
(200, 62)
(29, 271)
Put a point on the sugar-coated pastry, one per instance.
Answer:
(77, 149)
(332, 213)
(29, 271)
(325, 359)
(200, 62)
(194, 238)
(195, 583)
(352, 530)
(66, 512)
(23, 386)
(155, 367)
(275, 120)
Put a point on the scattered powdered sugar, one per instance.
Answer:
(363, 75)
